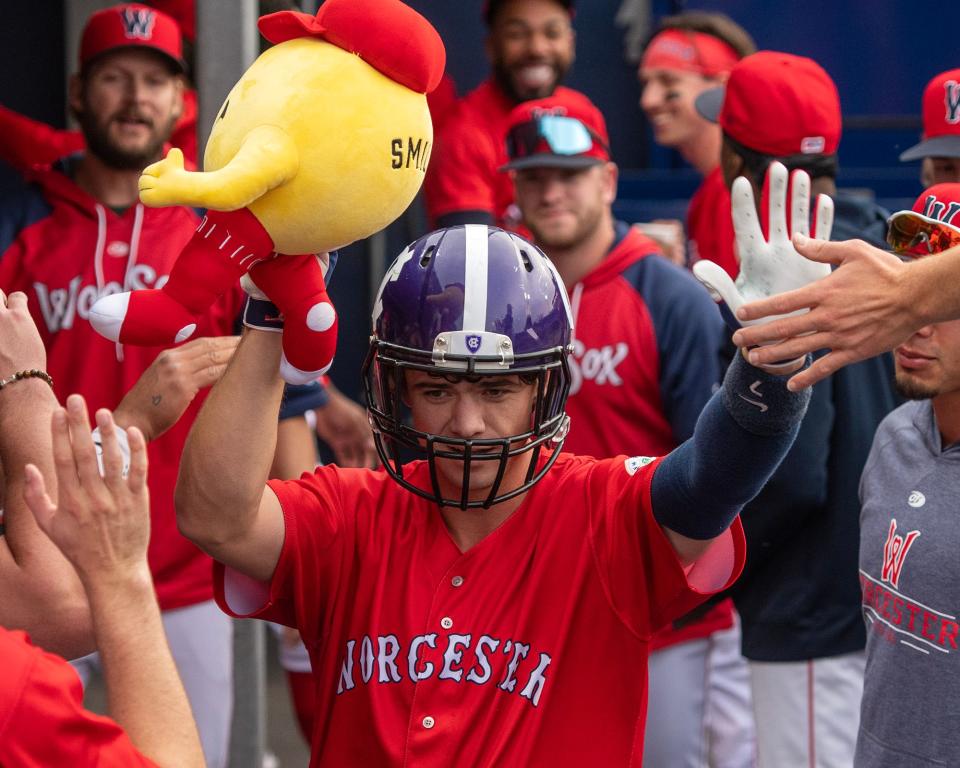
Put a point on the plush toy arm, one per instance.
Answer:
(266, 159)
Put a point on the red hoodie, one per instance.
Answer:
(64, 250)
(647, 339)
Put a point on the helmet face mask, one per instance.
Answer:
(523, 329)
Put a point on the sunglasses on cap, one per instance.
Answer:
(563, 135)
(912, 236)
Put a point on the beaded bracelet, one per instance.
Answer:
(32, 373)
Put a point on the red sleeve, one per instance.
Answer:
(25, 142)
(312, 518)
(42, 719)
(463, 170)
(645, 582)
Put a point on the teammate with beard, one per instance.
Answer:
(530, 46)
(78, 232)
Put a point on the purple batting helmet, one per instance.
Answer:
(469, 301)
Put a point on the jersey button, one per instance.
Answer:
(457, 581)
(428, 722)
(446, 622)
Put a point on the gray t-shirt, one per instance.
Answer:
(910, 579)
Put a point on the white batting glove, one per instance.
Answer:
(769, 266)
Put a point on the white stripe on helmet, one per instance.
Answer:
(475, 277)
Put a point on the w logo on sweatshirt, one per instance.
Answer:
(895, 552)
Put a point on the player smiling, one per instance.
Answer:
(484, 603)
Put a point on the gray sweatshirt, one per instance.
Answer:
(910, 579)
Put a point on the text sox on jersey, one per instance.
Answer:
(596, 365)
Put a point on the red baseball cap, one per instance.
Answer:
(131, 25)
(777, 104)
(490, 8)
(389, 36)
(556, 132)
(932, 226)
(184, 12)
(941, 118)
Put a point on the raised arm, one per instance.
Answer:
(102, 525)
(740, 439)
(871, 303)
(37, 581)
(223, 503)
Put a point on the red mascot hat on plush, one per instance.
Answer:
(324, 140)
(368, 28)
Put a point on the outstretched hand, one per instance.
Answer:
(858, 311)
(163, 392)
(768, 265)
(100, 523)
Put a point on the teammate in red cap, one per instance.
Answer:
(530, 44)
(688, 54)
(25, 143)
(644, 363)
(806, 652)
(940, 145)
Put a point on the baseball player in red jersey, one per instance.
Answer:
(645, 361)
(485, 603)
(531, 46)
(688, 54)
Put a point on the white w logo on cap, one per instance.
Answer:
(138, 22)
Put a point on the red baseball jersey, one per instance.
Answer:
(464, 172)
(68, 250)
(42, 719)
(529, 649)
(710, 232)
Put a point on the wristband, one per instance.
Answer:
(262, 315)
(759, 401)
(32, 373)
(122, 441)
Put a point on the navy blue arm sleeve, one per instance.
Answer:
(740, 439)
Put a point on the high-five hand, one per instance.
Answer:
(768, 265)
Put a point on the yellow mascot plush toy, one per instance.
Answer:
(324, 140)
